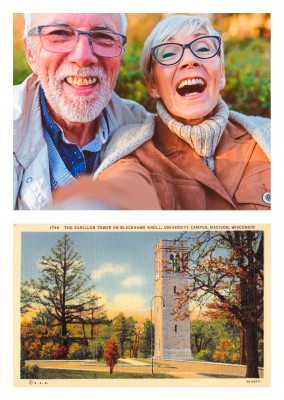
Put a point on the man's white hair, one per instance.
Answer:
(168, 27)
(29, 18)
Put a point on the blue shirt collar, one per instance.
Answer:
(77, 160)
(51, 126)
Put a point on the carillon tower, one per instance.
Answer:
(172, 338)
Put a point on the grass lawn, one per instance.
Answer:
(45, 373)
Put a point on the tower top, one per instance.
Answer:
(171, 257)
(172, 245)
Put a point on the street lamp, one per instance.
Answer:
(152, 356)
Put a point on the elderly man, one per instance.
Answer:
(66, 110)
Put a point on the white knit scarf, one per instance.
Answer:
(203, 138)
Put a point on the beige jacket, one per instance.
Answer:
(180, 177)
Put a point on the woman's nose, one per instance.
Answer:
(189, 60)
(82, 54)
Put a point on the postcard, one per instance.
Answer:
(141, 305)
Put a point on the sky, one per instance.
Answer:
(121, 264)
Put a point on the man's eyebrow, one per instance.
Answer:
(58, 22)
(100, 27)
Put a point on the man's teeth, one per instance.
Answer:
(81, 81)
(191, 82)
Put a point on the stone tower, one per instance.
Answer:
(172, 338)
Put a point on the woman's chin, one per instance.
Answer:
(189, 117)
(192, 114)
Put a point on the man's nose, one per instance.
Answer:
(82, 54)
(189, 59)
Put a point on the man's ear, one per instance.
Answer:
(30, 56)
(151, 86)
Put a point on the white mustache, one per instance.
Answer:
(63, 72)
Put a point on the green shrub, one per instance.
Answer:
(29, 372)
(21, 66)
(204, 355)
(97, 350)
(247, 64)
(79, 352)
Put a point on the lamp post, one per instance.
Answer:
(152, 355)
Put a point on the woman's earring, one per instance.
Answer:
(157, 96)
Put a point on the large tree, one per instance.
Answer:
(63, 288)
(225, 270)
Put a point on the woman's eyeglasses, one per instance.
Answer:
(171, 53)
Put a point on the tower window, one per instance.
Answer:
(175, 289)
(176, 328)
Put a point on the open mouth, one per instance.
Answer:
(78, 81)
(188, 87)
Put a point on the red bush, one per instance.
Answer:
(61, 353)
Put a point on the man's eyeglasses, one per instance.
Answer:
(62, 39)
(171, 53)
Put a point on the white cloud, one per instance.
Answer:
(133, 281)
(105, 269)
(103, 298)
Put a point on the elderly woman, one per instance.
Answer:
(195, 154)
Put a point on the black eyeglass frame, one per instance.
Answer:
(186, 46)
(37, 31)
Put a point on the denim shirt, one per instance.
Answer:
(77, 160)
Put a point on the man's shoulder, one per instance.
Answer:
(27, 129)
(24, 96)
(29, 84)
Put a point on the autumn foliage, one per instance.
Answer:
(111, 354)
(60, 353)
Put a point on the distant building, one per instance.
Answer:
(172, 338)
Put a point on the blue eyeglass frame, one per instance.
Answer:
(186, 46)
(37, 31)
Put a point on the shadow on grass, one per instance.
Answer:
(221, 376)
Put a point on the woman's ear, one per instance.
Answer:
(30, 55)
(151, 86)
(222, 82)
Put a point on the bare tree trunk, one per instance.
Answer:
(251, 323)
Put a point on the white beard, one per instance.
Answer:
(79, 108)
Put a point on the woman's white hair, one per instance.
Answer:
(168, 27)
(29, 18)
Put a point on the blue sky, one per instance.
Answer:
(121, 264)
